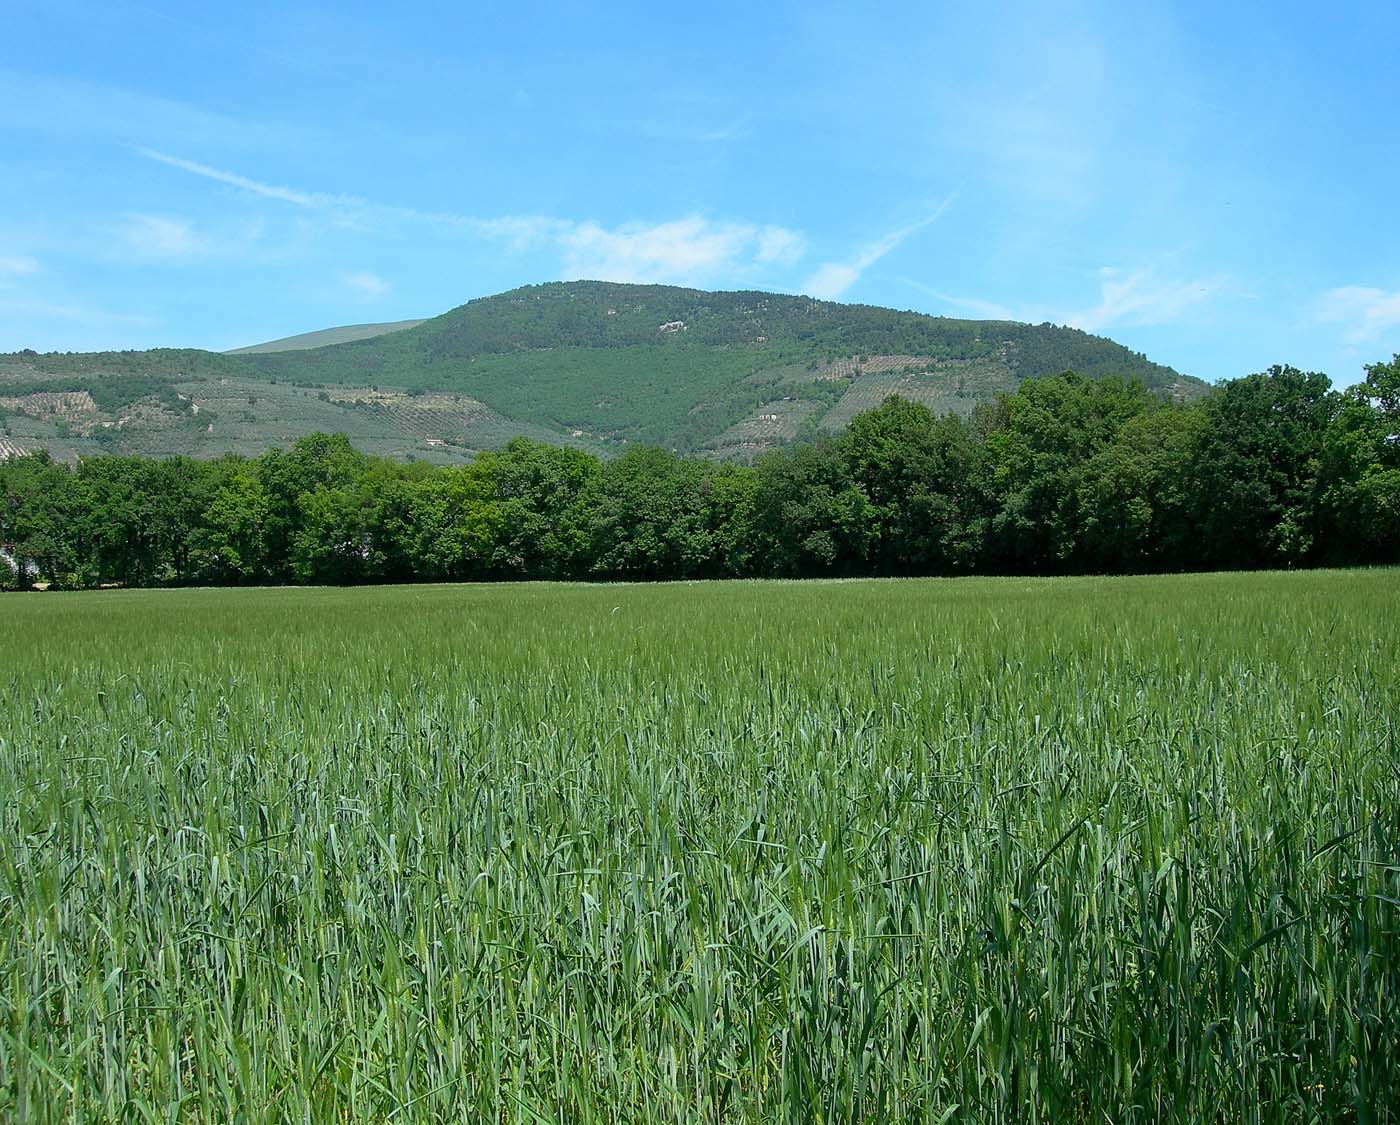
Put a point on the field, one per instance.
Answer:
(975, 850)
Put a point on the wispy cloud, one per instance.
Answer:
(738, 129)
(14, 266)
(79, 314)
(365, 285)
(692, 250)
(688, 250)
(233, 179)
(976, 306)
(1140, 297)
(173, 240)
(70, 107)
(150, 237)
(1364, 312)
(832, 279)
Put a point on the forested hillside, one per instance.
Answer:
(591, 364)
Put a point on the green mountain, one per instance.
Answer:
(589, 363)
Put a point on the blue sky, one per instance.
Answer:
(1212, 184)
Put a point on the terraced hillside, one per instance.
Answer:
(592, 363)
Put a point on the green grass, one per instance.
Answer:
(976, 850)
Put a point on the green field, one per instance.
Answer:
(974, 850)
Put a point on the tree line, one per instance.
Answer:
(1065, 475)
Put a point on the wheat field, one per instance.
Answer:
(967, 850)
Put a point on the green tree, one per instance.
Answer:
(544, 532)
(649, 518)
(1134, 495)
(1255, 477)
(326, 461)
(1359, 473)
(809, 518)
(1039, 441)
(922, 477)
(39, 508)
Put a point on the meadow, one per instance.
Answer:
(1107, 849)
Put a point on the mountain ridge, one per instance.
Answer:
(599, 364)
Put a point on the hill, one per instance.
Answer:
(325, 337)
(589, 363)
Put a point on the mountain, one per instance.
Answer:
(326, 337)
(595, 364)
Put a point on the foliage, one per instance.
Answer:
(1066, 474)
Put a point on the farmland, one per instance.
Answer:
(1102, 849)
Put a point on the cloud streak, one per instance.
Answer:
(1364, 311)
(1140, 297)
(269, 191)
(365, 285)
(76, 313)
(688, 250)
(13, 266)
(832, 279)
(156, 237)
(1137, 297)
(691, 249)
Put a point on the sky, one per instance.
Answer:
(1216, 185)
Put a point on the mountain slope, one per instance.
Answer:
(589, 363)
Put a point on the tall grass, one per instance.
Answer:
(981, 850)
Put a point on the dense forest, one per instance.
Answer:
(1066, 474)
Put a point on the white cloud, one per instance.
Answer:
(46, 310)
(70, 107)
(1140, 297)
(1364, 311)
(1135, 297)
(158, 236)
(271, 191)
(365, 285)
(14, 266)
(780, 246)
(690, 250)
(832, 279)
(520, 232)
(980, 309)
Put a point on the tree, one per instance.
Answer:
(139, 516)
(922, 477)
(1134, 495)
(1038, 442)
(809, 517)
(317, 461)
(1359, 472)
(648, 516)
(543, 531)
(229, 546)
(38, 509)
(1254, 477)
